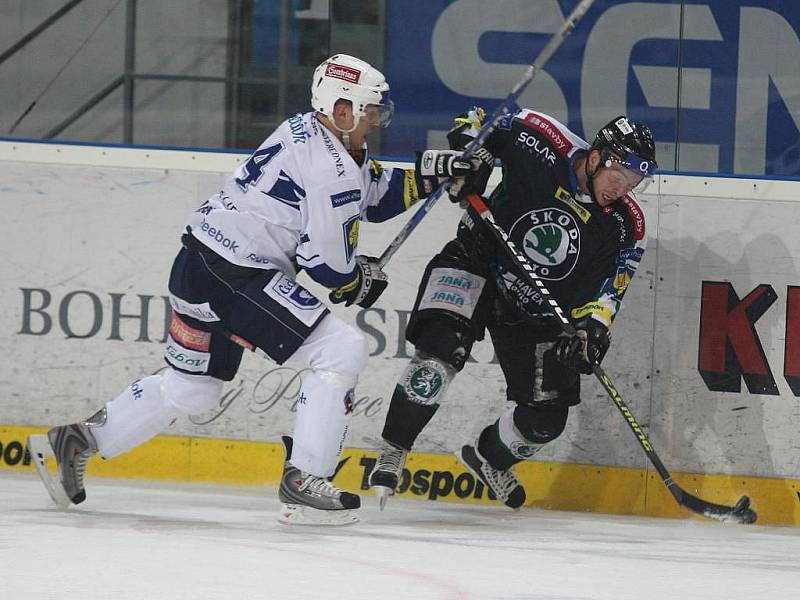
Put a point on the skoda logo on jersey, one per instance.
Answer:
(551, 239)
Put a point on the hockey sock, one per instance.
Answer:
(324, 410)
(519, 433)
(405, 419)
(133, 417)
(493, 450)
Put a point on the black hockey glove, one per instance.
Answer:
(434, 166)
(466, 128)
(366, 288)
(584, 349)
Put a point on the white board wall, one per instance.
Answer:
(91, 232)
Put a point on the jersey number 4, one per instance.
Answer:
(254, 167)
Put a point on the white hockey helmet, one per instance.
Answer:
(344, 77)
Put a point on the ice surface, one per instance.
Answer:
(141, 541)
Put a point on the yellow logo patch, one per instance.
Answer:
(621, 281)
(564, 196)
(352, 236)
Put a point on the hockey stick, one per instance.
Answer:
(740, 512)
(27, 111)
(505, 107)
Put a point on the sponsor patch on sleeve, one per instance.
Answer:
(350, 230)
(347, 197)
(550, 131)
(637, 216)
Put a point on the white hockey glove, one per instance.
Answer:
(366, 288)
(584, 349)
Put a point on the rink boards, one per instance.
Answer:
(706, 351)
(432, 477)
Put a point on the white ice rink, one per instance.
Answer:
(143, 542)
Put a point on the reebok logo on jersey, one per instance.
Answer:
(342, 72)
(219, 236)
(259, 260)
(298, 129)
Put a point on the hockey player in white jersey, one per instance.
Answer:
(294, 205)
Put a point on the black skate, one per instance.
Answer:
(388, 469)
(72, 446)
(504, 484)
(311, 500)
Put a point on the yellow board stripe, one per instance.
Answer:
(440, 477)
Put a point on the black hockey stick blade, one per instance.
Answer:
(739, 513)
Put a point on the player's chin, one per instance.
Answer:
(604, 199)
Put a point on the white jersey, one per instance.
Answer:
(296, 203)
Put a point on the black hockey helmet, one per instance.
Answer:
(629, 144)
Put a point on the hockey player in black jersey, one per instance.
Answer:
(570, 207)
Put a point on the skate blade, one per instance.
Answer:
(40, 448)
(297, 514)
(383, 493)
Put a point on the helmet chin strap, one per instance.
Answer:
(346, 132)
(590, 178)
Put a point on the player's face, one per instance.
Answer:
(613, 182)
(366, 125)
(372, 120)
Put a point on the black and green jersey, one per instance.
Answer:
(585, 254)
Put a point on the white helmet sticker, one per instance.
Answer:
(343, 72)
(624, 126)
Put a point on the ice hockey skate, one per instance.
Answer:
(72, 446)
(504, 484)
(310, 500)
(388, 469)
